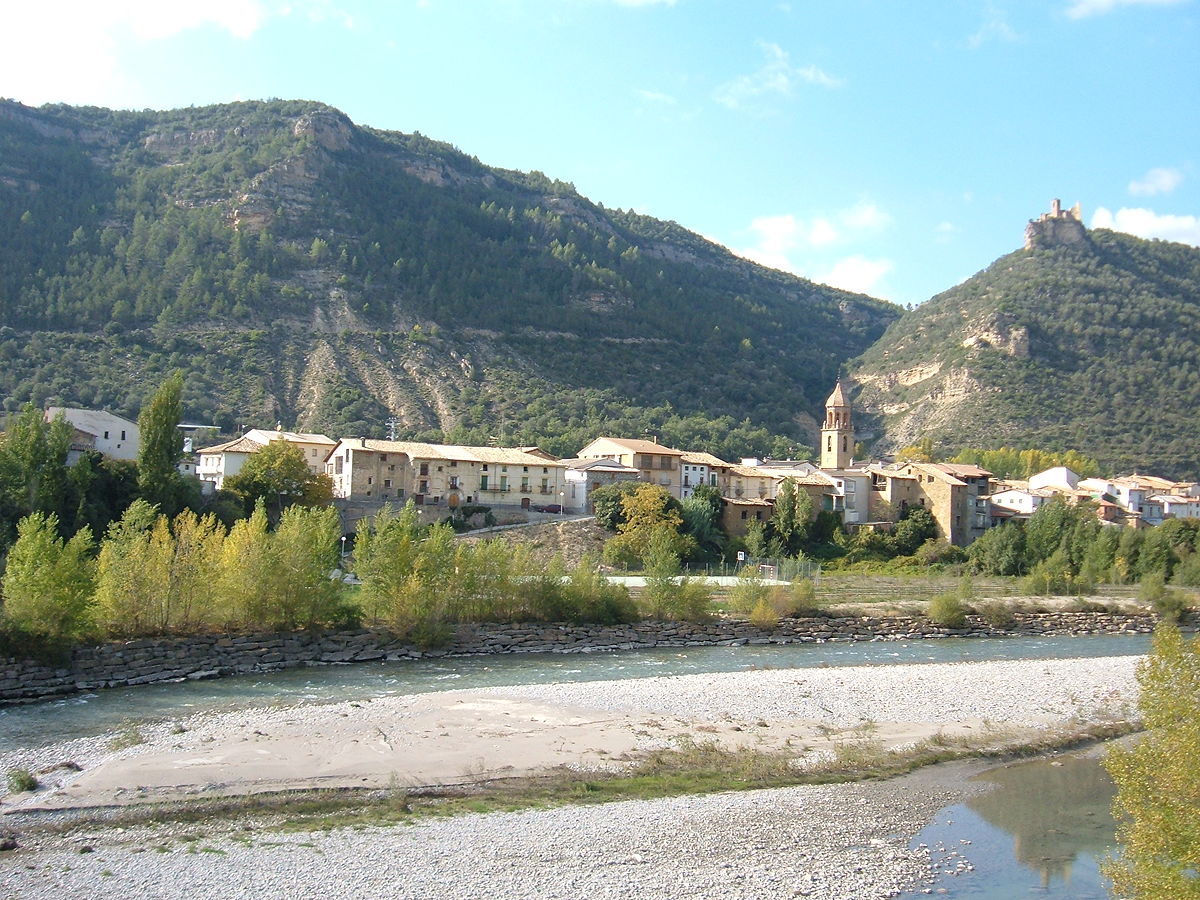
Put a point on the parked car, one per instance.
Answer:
(547, 507)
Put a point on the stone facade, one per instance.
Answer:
(211, 656)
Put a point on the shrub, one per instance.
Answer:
(800, 599)
(996, 613)
(947, 609)
(21, 781)
(764, 615)
(1169, 604)
(749, 593)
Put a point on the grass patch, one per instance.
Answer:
(21, 781)
(690, 767)
(130, 736)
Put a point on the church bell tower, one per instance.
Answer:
(837, 434)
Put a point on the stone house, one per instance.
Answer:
(655, 463)
(956, 495)
(435, 474)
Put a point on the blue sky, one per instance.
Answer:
(892, 148)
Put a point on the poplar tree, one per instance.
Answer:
(159, 480)
(48, 582)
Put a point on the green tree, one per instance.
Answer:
(792, 517)
(385, 554)
(306, 547)
(999, 551)
(279, 476)
(608, 503)
(132, 574)
(159, 480)
(649, 512)
(48, 582)
(1158, 794)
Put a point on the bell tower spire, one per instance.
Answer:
(837, 434)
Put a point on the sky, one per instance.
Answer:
(889, 148)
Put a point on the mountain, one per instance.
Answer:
(305, 270)
(1084, 339)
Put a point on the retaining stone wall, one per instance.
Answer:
(210, 656)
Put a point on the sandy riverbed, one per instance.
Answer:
(701, 846)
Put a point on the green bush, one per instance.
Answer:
(996, 613)
(21, 781)
(948, 610)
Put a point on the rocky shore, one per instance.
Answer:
(829, 841)
(149, 660)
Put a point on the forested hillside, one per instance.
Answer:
(305, 270)
(1094, 346)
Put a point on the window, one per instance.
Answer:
(383, 457)
(545, 470)
(485, 467)
(829, 443)
(424, 487)
(391, 468)
(453, 464)
(483, 482)
(337, 465)
(687, 480)
(106, 435)
(370, 480)
(425, 468)
(453, 481)
(851, 487)
(122, 435)
(743, 514)
(525, 468)
(387, 482)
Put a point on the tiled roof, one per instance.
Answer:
(635, 445)
(293, 437)
(500, 455)
(703, 459)
(838, 397)
(601, 463)
(237, 445)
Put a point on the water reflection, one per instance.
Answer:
(1054, 811)
(1040, 831)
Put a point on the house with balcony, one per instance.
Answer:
(443, 474)
(655, 463)
(956, 495)
(700, 468)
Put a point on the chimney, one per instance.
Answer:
(363, 441)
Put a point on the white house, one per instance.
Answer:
(225, 460)
(1059, 479)
(697, 469)
(1023, 501)
(582, 476)
(108, 433)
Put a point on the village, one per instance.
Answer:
(524, 483)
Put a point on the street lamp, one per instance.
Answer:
(562, 499)
(343, 552)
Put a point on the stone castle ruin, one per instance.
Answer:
(1057, 227)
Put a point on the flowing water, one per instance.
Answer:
(1041, 830)
(109, 710)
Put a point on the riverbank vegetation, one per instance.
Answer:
(1158, 795)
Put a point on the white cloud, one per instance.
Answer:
(995, 27)
(74, 55)
(656, 97)
(856, 273)
(1148, 224)
(777, 76)
(1156, 181)
(1081, 9)
(866, 216)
